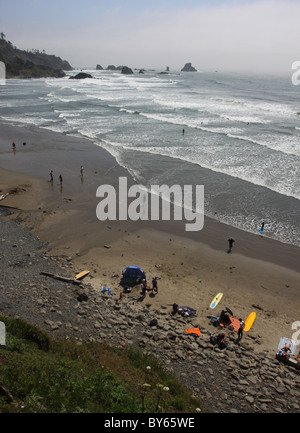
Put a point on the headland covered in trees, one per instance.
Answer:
(30, 64)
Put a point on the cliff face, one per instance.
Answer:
(23, 64)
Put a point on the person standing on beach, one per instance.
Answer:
(230, 241)
(241, 329)
(154, 285)
(51, 176)
(81, 171)
(60, 179)
(143, 288)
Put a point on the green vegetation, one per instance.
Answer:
(27, 69)
(52, 376)
(30, 64)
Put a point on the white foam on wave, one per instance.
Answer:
(244, 119)
(285, 145)
(248, 105)
(181, 107)
(230, 168)
(29, 120)
(65, 114)
(129, 111)
(260, 178)
(115, 149)
(227, 108)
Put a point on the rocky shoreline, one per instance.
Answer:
(232, 380)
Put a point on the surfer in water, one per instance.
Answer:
(262, 226)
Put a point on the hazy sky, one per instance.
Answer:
(247, 35)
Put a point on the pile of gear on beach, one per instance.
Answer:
(287, 352)
(134, 275)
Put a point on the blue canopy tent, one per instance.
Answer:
(132, 275)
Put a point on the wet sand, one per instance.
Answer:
(260, 274)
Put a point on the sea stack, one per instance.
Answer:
(126, 70)
(81, 76)
(188, 68)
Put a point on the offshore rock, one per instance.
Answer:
(188, 68)
(81, 76)
(126, 70)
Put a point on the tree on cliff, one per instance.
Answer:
(25, 64)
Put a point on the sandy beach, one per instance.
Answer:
(260, 274)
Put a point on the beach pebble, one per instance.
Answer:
(250, 399)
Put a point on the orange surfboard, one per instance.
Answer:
(193, 331)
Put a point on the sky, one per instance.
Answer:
(224, 35)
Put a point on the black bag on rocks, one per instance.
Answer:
(82, 297)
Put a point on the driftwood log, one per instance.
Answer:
(80, 295)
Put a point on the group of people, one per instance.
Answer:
(60, 176)
(286, 352)
(145, 288)
(14, 144)
(231, 240)
(225, 320)
(52, 178)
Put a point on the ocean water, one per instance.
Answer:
(241, 135)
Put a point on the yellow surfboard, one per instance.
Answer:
(81, 275)
(249, 321)
(216, 300)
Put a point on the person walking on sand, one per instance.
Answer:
(241, 329)
(154, 285)
(230, 241)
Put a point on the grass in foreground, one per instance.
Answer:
(53, 376)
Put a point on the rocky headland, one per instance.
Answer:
(30, 64)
